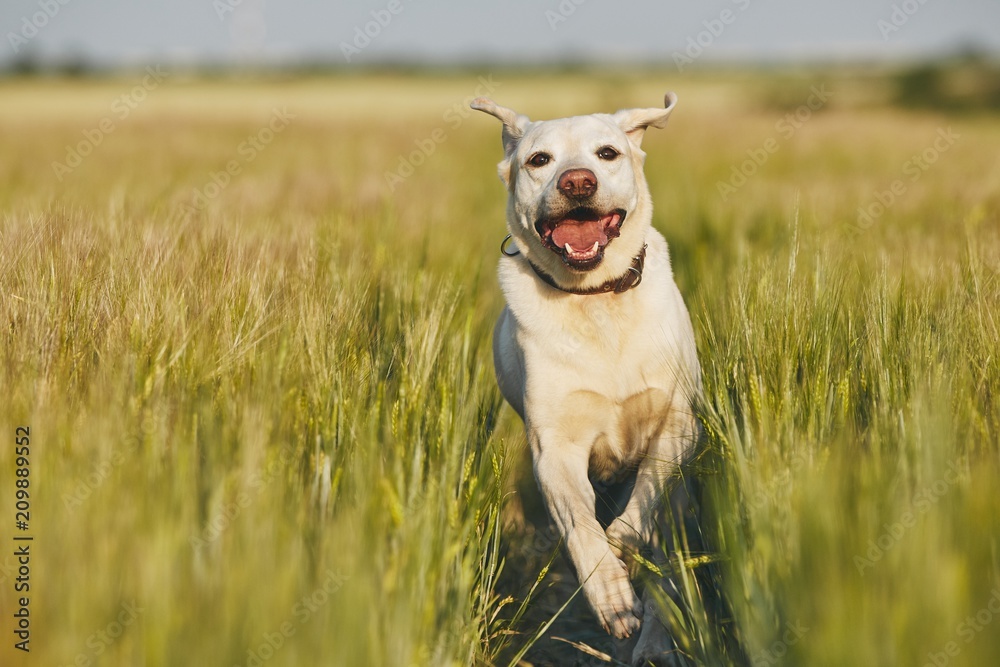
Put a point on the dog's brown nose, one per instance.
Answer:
(577, 183)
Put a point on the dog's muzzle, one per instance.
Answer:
(580, 236)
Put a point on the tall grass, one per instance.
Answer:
(856, 427)
(223, 426)
(267, 429)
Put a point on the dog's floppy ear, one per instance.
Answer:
(635, 121)
(514, 125)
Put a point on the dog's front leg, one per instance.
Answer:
(636, 527)
(561, 473)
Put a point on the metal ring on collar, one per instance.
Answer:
(638, 276)
(503, 247)
(621, 283)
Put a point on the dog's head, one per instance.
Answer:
(576, 185)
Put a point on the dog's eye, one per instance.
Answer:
(608, 153)
(539, 159)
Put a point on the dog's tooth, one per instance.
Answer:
(570, 249)
(597, 244)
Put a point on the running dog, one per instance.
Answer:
(594, 349)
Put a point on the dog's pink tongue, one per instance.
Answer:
(580, 235)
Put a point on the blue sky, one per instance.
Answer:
(124, 32)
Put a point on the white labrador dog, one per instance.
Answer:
(595, 349)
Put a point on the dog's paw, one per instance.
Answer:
(655, 645)
(624, 539)
(667, 658)
(614, 602)
(663, 659)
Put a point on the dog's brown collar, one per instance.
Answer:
(631, 278)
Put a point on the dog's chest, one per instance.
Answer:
(620, 339)
(623, 430)
(604, 374)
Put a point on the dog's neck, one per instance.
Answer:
(631, 278)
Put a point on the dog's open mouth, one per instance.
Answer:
(580, 236)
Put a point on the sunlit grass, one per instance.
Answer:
(271, 425)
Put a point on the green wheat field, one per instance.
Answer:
(247, 323)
